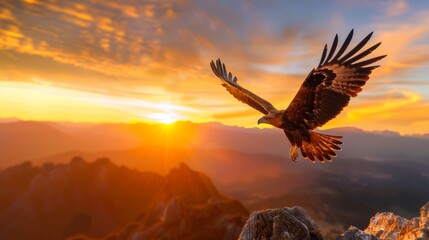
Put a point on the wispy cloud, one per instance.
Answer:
(396, 109)
(396, 8)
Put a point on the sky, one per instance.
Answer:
(148, 61)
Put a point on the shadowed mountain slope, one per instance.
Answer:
(55, 201)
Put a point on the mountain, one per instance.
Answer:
(374, 171)
(21, 141)
(57, 201)
(347, 191)
(9, 120)
(187, 207)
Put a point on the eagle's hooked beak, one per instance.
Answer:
(262, 120)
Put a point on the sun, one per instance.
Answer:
(163, 118)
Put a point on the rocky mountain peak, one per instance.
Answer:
(187, 199)
(190, 186)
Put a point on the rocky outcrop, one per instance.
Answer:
(280, 224)
(388, 226)
(295, 224)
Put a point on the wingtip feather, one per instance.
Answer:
(325, 50)
(333, 48)
(358, 47)
(345, 45)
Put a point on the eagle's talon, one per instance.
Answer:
(293, 153)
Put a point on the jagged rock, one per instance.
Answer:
(280, 224)
(424, 211)
(388, 226)
(385, 225)
(416, 228)
(354, 233)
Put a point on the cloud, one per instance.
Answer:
(397, 8)
(405, 45)
(158, 51)
(400, 110)
(137, 40)
(116, 49)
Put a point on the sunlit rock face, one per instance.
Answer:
(388, 226)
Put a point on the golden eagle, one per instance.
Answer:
(323, 94)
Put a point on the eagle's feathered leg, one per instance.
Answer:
(293, 152)
(320, 146)
(313, 145)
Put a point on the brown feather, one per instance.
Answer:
(333, 48)
(328, 88)
(240, 93)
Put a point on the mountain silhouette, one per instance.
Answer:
(57, 201)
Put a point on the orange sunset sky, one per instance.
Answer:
(148, 61)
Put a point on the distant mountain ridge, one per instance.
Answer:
(22, 141)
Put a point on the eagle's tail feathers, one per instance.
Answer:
(321, 147)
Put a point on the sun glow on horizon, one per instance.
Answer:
(164, 118)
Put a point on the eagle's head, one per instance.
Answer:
(275, 119)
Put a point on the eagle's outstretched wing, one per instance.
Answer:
(328, 88)
(238, 91)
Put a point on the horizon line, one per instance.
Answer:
(71, 122)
